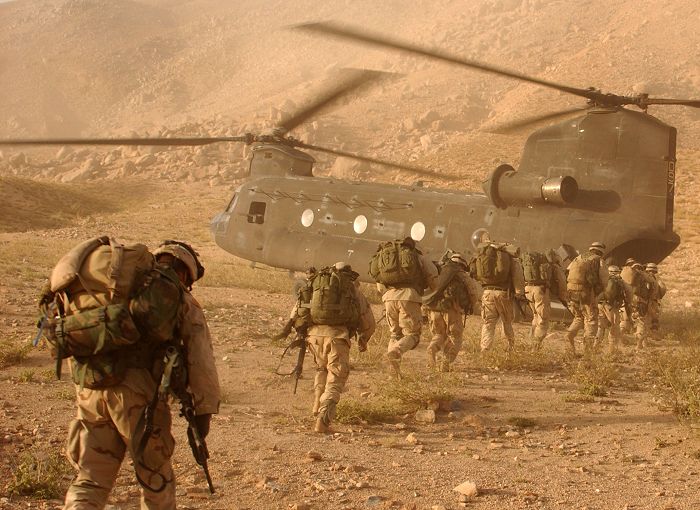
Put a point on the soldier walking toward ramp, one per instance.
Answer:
(455, 295)
(644, 290)
(586, 280)
(331, 310)
(617, 295)
(655, 303)
(497, 268)
(543, 276)
(402, 274)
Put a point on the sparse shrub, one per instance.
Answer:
(241, 275)
(376, 349)
(26, 376)
(40, 475)
(594, 376)
(376, 410)
(418, 391)
(676, 380)
(522, 422)
(577, 398)
(524, 358)
(12, 353)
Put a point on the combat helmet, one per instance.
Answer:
(651, 268)
(615, 270)
(630, 262)
(185, 254)
(598, 247)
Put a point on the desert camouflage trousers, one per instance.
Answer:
(541, 306)
(446, 329)
(585, 313)
(608, 323)
(104, 429)
(495, 305)
(639, 324)
(405, 321)
(332, 358)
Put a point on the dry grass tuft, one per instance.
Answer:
(40, 474)
(12, 353)
(594, 376)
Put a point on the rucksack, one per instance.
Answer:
(536, 268)
(454, 292)
(328, 298)
(103, 300)
(584, 274)
(492, 266)
(615, 292)
(397, 265)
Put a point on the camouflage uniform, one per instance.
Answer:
(655, 303)
(540, 300)
(446, 318)
(643, 287)
(609, 314)
(106, 423)
(330, 347)
(497, 303)
(403, 315)
(582, 301)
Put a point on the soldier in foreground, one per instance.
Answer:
(497, 268)
(454, 297)
(402, 274)
(543, 276)
(116, 332)
(330, 311)
(586, 280)
(617, 295)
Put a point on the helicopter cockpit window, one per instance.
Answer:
(232, 203)
(256, 213)
(360, 224)
(307, 217)
(418, 231)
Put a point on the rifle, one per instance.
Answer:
(174, 381)
(300, 342)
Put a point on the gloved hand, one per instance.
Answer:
(203, 421)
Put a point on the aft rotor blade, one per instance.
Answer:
(354, 80)
(345, 32)
(413, 169)
(512, 127)
(125, 141)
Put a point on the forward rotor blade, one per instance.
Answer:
(413, 169)
(512, 127)
(345, 32)
(694, 103)
(354, 80)
(126, 141)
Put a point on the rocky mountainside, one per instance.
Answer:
(100, 68)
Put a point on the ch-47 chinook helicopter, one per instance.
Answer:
(607, 175)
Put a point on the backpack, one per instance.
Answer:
(103, 300)
(329, 299)
(454, 292)
(615, 292)
(584, 274)
(491, 266)
(396, 265)
(536, 268)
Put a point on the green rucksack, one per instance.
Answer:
(329, 299)
(584, 274)
(397, 265)
(615, 292)
(536, 268)
(104, 301)
(491, 266)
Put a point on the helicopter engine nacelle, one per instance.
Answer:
(506, 187)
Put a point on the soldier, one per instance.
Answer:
(497, 268)
(455, 295)
(586, 280)
(107, 422)
(655, 304)
(644, 290)
(617, 295)
(333, 310)
(402, 273)
(543, 276)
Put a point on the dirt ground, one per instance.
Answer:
(524, 437)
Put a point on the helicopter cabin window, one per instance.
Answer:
(307, 217)
(418, 231)
(360, 224)
(256, 212)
